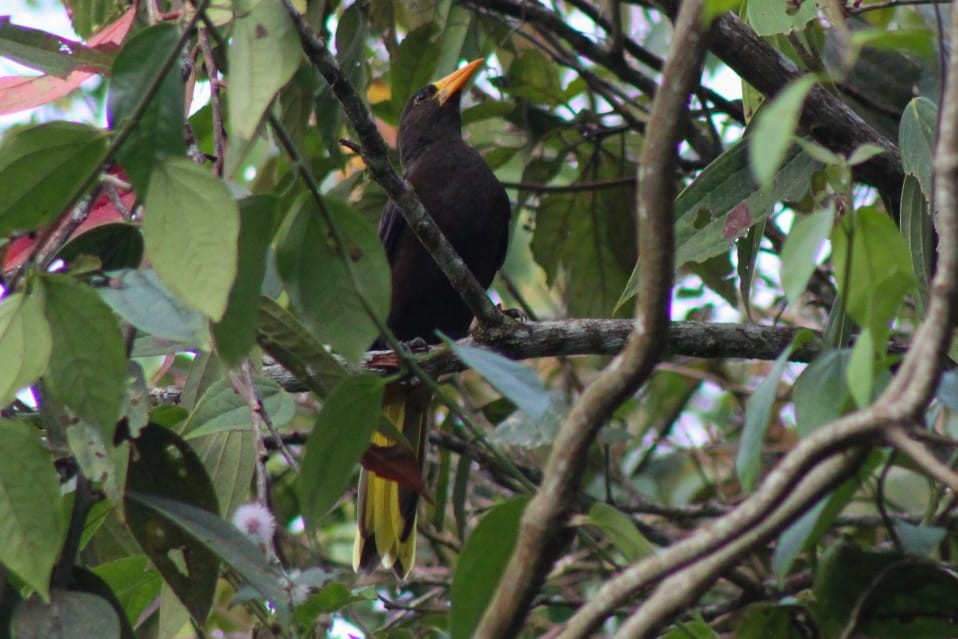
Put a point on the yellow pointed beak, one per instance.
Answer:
(455, 81)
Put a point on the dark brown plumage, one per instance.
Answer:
(470, 206)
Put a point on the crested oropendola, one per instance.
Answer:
(460, 192)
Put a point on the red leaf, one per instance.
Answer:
(104, 211)
(737, 221)
(397, 463)
(18, 93)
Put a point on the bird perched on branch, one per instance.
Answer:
(461, 193)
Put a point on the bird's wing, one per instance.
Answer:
(392, 225)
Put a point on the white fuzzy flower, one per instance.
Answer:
(256, 522)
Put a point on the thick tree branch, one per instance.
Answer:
(376, 156)
(543, 532)
(693, 562)
(826, 118)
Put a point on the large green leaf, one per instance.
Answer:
(230, 460)
(158, 133)
(883, 595)
(68, 615)
(821, 391)
(140, 298)
(32, 522)
(133, 583)
(165, 466)
(533, 76)
(214, 535)
(873, 269)
(315, 274)
(41, 169)
(514, 380)
(191, 230)
(236, 333)
(48, 53)
(87, 369)
(773, 129)
(758, 412)
(340, 435)
(585, 240)
(25, 343)
(414, 65)
(222, 409)
(770, 17)
(264, 54)
(724, 201)
(801, 250)
(289, 343)
(916, 228)
(481, 564)
(916, 138)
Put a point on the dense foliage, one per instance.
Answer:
(192, 277)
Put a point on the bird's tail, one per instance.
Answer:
(386, 520)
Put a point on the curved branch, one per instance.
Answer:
(543, 533)
(376, 156)
(898, 406)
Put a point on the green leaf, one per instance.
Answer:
(762, 621)
(117, 246)
(222, 409)
(236, 333)
(758, 412)
(230, 460)
(916, 228)
(48, 53)
(41, 169)
(289, 343)
(264, 53)
(158, 133)
(87, 369)
(68, 615)
(802, 248)
(770, 17)
(748, 249)
(339, 437)
(166, 467)
(821, 391)
(191, 230)
(514, 380)
(873, 269)
(319, 286)
(32, 524)
(724, 201)
(620, 530)
(916, 139)
(883, 595)
(351, 34)
(414, 65)
(919, 540)
(774, 128)
(85, 580)
(133, 583)
(25, 343)
(585, 240)
(804, 533)
(535, 77)
(214, 535)
(916, 42)
(481, 563)
(861, 369)
(140, 298)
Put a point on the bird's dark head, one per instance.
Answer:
(432, 114)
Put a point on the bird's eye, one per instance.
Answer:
(424, 94)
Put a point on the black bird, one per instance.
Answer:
(470, 206)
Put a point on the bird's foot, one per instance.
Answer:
(517, 314)
(415, 345)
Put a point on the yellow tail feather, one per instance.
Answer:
(386, 521)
